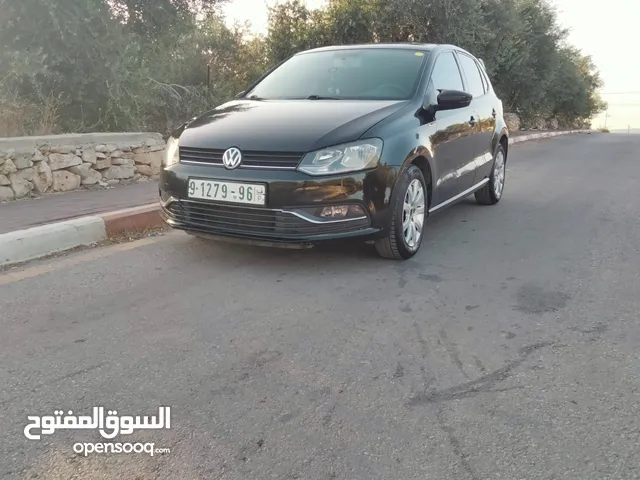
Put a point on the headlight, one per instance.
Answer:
(349, 157)
(171, 154)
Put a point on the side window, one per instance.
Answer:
(487, 82)
(484, 80)
(446, 74)
(468, 64)
(483, 74)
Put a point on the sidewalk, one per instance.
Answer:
(50, 208)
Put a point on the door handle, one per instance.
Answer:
(472, 121)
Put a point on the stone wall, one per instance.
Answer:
(513, 121)
(31, 166)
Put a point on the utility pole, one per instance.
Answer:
(606, 118)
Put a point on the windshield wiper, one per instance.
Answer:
(255, 97)
(320, 97)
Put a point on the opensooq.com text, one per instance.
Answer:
(148, 448)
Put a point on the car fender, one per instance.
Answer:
(500, 131)
(410, 148)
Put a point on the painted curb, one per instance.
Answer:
(132, 219)
(538, 136)
(24, 245)
(30, 244)
(36, 242)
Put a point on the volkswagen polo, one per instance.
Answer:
(338, 142)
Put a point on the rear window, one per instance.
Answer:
(359, 74)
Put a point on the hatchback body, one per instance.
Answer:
(351, 141)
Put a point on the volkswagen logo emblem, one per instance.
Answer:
(232, 158)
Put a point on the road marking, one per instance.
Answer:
(57, 264)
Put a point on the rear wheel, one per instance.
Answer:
(409, 212)
(491, 193)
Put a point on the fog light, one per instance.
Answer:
(341, 211)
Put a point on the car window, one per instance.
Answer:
(446, 75)
(483, 74)
(487, 82)
(485, 88)
(359, 74)
(474, 81)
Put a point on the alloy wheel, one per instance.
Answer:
(498, 175)
(413, 213)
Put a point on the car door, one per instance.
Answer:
(454, 141)
(484, 106)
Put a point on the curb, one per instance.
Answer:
(24, 245)
(538, 136)
(132, 219)
(30, 244)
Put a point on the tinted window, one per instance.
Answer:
(475, 86)
(487, 82)
(361, 74)
(484, 81)
(446, 75)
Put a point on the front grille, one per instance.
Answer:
(251, 159)
(223, 217)
(253, 222)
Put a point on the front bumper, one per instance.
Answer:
(291, 214)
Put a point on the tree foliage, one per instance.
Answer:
(117, 65)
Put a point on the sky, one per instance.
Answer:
(600, 29)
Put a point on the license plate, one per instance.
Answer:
(232, 192)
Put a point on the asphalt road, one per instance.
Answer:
(507, 349)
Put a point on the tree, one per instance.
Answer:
(291, 29)
(73, 49)
(70, 65)
(155, 18)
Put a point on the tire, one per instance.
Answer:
(398, 245)
(492, 192)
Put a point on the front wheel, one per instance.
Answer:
(491, 193)
(409, 212)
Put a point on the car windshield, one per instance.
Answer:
(355, 74)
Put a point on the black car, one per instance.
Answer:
(349, 141)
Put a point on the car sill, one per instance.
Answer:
(468, 191)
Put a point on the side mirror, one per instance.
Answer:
(453, 99)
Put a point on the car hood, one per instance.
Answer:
(284, 125)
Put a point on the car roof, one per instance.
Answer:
(431, 47)
(390, 46)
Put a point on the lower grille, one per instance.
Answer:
(253, 222)
(251, 159)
